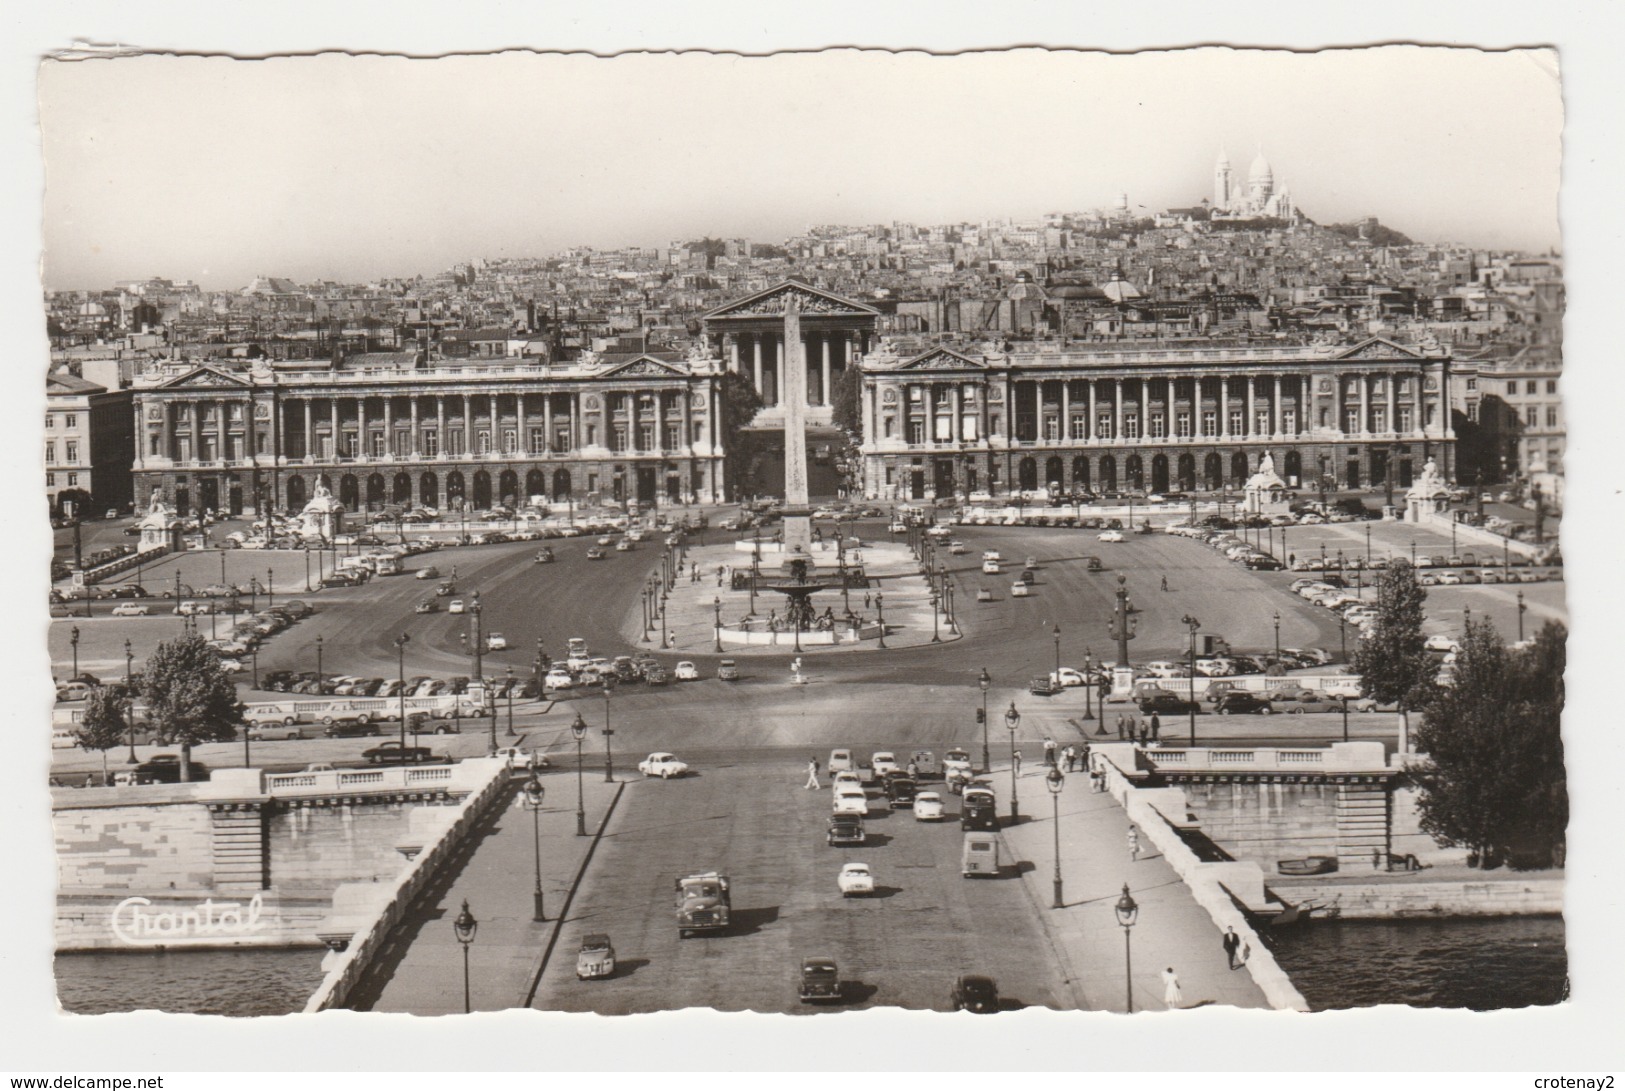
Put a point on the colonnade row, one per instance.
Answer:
(907, 477)
(473, 487)
(761, 355)
(1147, 407)
(329, 426)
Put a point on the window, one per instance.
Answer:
(1531, 416)
(1289, 421)
(378, 450)
(50, 452)
(73, 479)
(1103, 425)
(699, 432)
(1052, 429)
(1379, 419)
(1512, 386)
(352, 444)
(646, 436)
(1262, 422)
(916, 431)
(1530, 386)
(1238, 420)
(260, 443)
(236, 411)
(673, 439)
(1551, 416)
(50, 421)
(592, 440)
(454, 442)
(234, 447)
(1351, 420)
(1472, 384)
(510, 440)
(1405, 418)
(50, 479)
(538, 441)
(1427, 414)
(431, 442)
(1182, 424)
(72, 448)
(888, 427)
(1131, 426)
(155, 443)
(1158, 426)
(1079, 429)
(1551, 386)
(618, 438)
(1325, 417)
(71, 420)
(210, 450)
(1210, 423)
(1472, 412)
(482, 439)
(996, 424)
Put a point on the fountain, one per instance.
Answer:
(323, 517)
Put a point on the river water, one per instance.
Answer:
(1482, 963)
(246, 981)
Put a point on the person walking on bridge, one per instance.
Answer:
(1172, 996)
(1232, 945)
(1133, 843)
(812, 773)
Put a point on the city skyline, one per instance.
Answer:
(414, 166)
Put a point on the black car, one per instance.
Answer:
(1168, 703)
(166, 769)
(393, 753)
(976, 993)
(845, 829)
(1044, 686)
(1240, 701)
(277, 680)
(351, 729)
(900, 790)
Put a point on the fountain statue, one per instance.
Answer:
(323, 518)
(1264, 487)
(1429, 494)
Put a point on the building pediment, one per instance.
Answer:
(205, 378)
(1377, 348)
(941, 359)
(644, 367)
(770, 303)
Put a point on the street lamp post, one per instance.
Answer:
(1055, 780)
(985, 682)
(1192, 624)
(716, 622)
(1057, 635)
(880, 611)
(1368, 545)
(1277, 616)
(1089, 685)
(609, 733)
(510, 733)
(319, 675)
(644, 597)
(1343, 636)
(535, 792)
(1521, 609)
(400, 667)
(1413, 552)
(465, 926)
(1128, 911)
(270, 590)
(579, 729)
(1012, 720)
(307, 569)
(936, 632)
(129, 702)
(73, 640)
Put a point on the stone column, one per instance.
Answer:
(521, 434)
(1066, 411)
(958, 431)
(1250, 422)
(825, 398)
(389, 426)
(547, 428)
(793, 395)
(416, 443)
(496, 427)
(1117, 412)
(632, 444)
(573, 440)
(1365, 405)
(1393, 406)
(440, 425)
(310, 431)
(468, 429)
(1224, 407)
(660, 422)
(756, 361)
(1275, 409)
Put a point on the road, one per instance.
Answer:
(902, 947)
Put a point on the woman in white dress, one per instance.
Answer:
(1171, 996)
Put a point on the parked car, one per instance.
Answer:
(687, 672)
(496, 642)
(1240, 701)
(882, 762)
(841, 761)
(662, 765)
(855, 879)
(1044, 685)
(820, 980)
(351, 729)
(521, 758)
(166, 769)
(850, 799)
(1306, 701)
(393, 753)
(595, 957)
(975, 993)
(130, 609)
(1167, 704)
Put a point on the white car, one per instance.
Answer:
(940, 531)
(851, 799)
(687, 672)
(558, 679)
(664, 766)
(992, 555)
(520, 758)
(991, 567)
(846, 778)
(957, 548)
(1018, 590)
(928, 807)
(578, 661)
(1449, 578)
(455, 606)
(496, 642)
(1070, 676)
(129, 609)
(855, 879)
(883, 762)
(1109, 536)
(1438, 642)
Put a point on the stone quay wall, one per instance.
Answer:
(1498, 897)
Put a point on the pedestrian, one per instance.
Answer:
(1133, 843)
(914, 771)
(866, 600)
(1246, 952)
(1171, 996)
(1017, 758)
(1165, 583)
(1120, 735)
(1232, 945)
(1156, 726)
(812, 773)
(1070, 757)
(1083, 757)
(1049, 752)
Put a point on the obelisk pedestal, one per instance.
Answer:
(797, 513)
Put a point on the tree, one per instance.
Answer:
(189, 695)
(740, 404)
(1392, 661)
(1494, 779)
(104, 726)
(845, 399)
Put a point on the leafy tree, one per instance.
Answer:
(1494, 779)
(189, 695)
(845, 399)
(104, 726)
(1392, 661)
(740, 404)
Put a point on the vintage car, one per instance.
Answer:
(840, 761)
(991, 567)
(1019, 590)
(820, 980)
(882, 762)
(850, 799)
(855, 879)
(544, 556)
(845, 829)
(928, 807)
(595, 957)
(1044, 685)
(975, 993)
(956, 761)
(393, 753)
(596, 554)
(662, 765)
(1109, 536)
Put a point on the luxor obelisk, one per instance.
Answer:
(797, 513)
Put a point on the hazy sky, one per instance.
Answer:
(350, 168)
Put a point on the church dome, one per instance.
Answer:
(1260, 170)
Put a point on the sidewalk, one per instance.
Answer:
(420, 969)
(1172, 929)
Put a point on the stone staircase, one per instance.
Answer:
(240, 848)
(1362, 825)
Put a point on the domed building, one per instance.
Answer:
(1262, 198)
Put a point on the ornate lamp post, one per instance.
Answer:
(465, 926)
(1277, 617)
(985, 683)
(936, 632)
(129, 702)
(579, 729)
(510, 733)
(319, 676)
(73, 640)
(1521, 609)
(1012, 720)
(643, 597)
(1089, 686)
(1055, 780)
(400, 666)
(1128, 911)
(609, 732)
(534, 794)
(1057, 635)
(1192, 624)
(716, 622)
(880, 610)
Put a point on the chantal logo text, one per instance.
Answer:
(136, 923)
